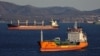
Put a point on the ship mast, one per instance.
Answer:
(34, 22)
(41, 36)
(26, 22)
(75, 25)
(18, 22)
(11, 22)
(42, 23)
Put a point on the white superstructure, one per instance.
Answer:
(76, 34)
(54, 23)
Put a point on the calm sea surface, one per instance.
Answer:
(24, 43)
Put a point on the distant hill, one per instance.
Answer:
(10, 11)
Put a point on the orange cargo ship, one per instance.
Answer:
(54, 25)
(76, 40)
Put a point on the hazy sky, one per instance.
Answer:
(78, 4)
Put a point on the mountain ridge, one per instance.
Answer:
(11, 11)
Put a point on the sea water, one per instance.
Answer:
(25, 42)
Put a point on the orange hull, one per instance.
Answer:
(47, 27)
(51, 46)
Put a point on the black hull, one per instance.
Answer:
(11, 25)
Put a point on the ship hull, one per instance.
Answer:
(55, 26)
(50, 48)
(32, 27)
